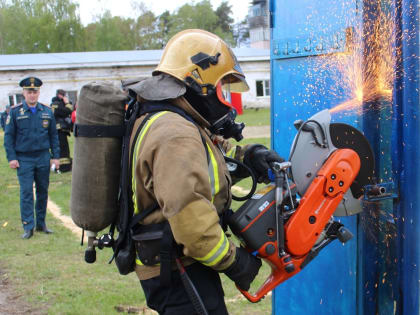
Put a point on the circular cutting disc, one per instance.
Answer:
(344, 136)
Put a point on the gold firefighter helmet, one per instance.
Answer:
(203, 61)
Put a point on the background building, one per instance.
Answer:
(259, 24)
(70, 71)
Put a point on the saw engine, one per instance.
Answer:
(288, 222)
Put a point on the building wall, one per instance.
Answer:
(73, 79)
(255, 71)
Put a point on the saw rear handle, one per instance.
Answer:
(280, 175)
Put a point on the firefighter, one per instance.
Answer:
(62, 109)
(178, 165)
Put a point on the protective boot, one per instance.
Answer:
(44, 229)
(28, 234)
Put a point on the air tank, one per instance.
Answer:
(97, 159)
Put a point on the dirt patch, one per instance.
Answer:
(256, 132)
(65, 220)
(12, 303)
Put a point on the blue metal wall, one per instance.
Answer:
(406, 133)
(377, 272)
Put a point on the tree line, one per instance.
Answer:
(41, 26)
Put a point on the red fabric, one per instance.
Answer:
(73, 116)
(237, 102)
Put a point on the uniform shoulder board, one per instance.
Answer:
(45, 105)
(16, 106)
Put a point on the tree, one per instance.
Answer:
(164, 27)
(35, 26)
(29, 26)
(200, 15)
(147, 30)
(110, 33)
(225, 20)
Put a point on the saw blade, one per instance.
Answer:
(344, 136)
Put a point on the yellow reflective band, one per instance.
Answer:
(231, 152)
(136, 151)
(217, 253)
(213, 173)
(138, 262)
(69, 106)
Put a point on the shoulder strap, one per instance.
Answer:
(152, 107)
(125, 204)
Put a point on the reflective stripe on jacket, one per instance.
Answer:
(170, 167)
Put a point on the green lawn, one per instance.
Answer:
(48, 271)
(255, 117)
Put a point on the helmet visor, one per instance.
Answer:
(236, 77)
(236, 83)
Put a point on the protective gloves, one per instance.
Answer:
(244, 269)
(258, 158)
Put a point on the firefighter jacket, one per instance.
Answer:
(62, 113)
(170, 167)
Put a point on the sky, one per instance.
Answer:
(89, 8)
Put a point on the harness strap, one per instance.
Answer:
(167, 251)
(140, 216)
(99, 131)
(124, 200)
(153, 107)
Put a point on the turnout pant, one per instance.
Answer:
(65, 160)
(174, 300)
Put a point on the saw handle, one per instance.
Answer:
(278, 274)
(280, 172)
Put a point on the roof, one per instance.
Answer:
(105, 58)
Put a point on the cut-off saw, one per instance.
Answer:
(288, 222)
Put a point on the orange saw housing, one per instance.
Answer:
(254, 222)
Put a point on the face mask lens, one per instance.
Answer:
(223, 93)
(226, 93)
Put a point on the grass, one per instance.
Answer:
(49, 272)
(255, 117)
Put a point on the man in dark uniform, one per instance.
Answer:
(62, 110)
(3, 117)
(31, 144)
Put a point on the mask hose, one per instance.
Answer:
(254, 179)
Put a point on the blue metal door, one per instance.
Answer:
(360, 59)
(303, 32)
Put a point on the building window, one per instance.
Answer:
(19, 98)
(72, 97)
(263, 88)
(11, 100)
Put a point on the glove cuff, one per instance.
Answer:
(236, 269)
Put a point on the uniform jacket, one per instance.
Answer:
(3, 117)
(171, 168)
(28, 132)
(62, 113)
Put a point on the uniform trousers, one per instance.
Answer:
(174, 300)
(33, 167)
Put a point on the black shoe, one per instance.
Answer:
(44, 229)
(28, 234)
